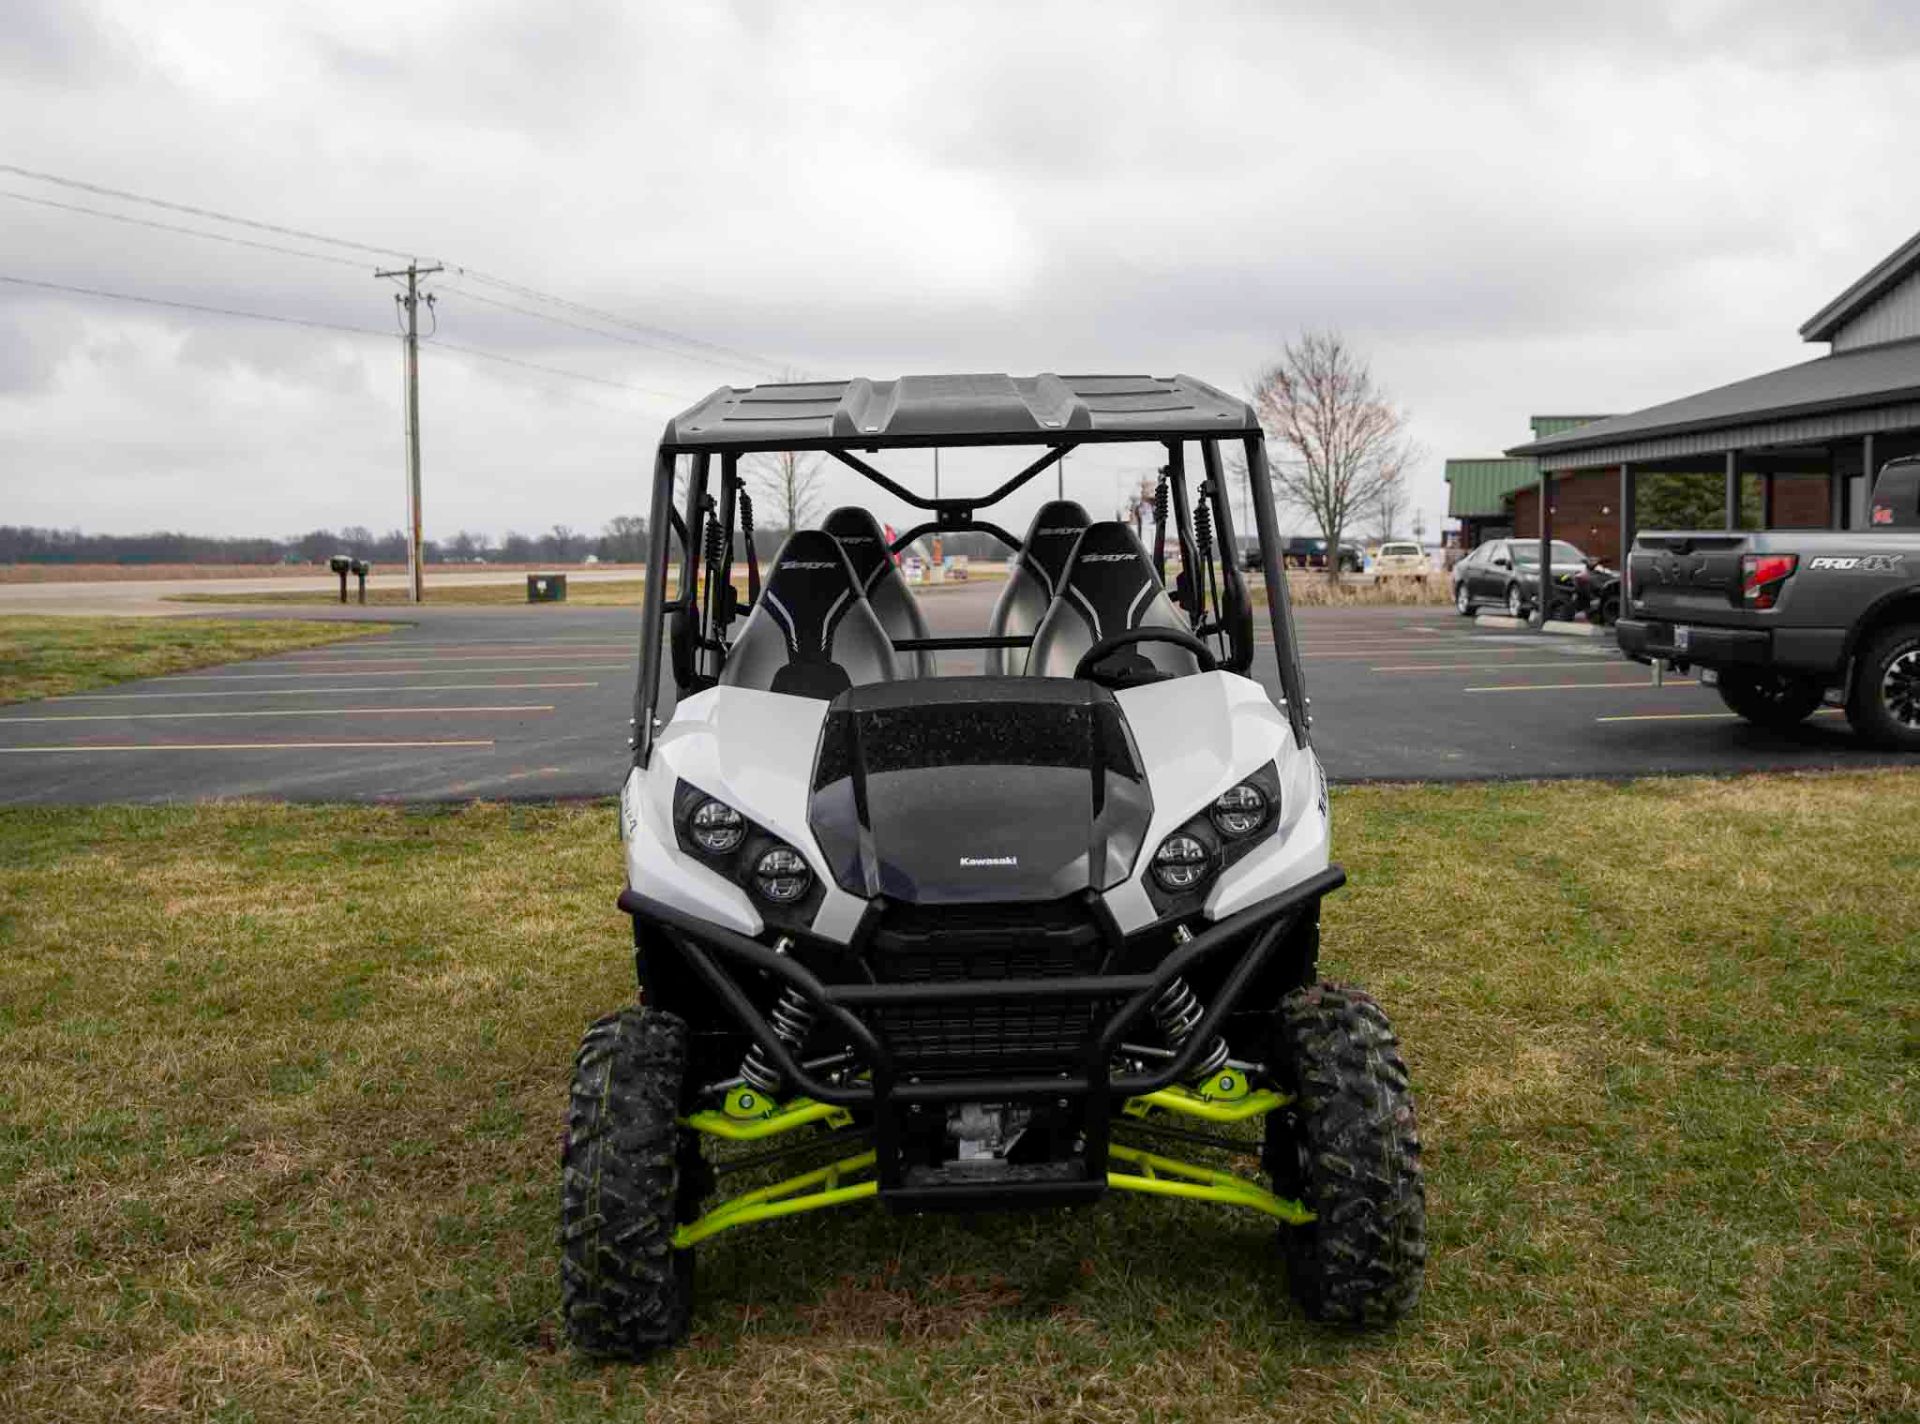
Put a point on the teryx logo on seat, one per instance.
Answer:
(809, 564)
(1106, 558)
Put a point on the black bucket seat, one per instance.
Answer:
(1032, 580)
(893, 602)
(812, 632)
(1109, 587)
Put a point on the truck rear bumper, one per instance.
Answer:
(1814, 651)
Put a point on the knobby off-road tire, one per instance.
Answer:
(625, 1291)
(1348, 1147)
(1883, 704)
(1771, 699)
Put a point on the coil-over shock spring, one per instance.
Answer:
(1203, 527)
(1178, 1011)
(791, 1021)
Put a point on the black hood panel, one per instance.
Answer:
(967, 790)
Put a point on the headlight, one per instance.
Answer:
(1240, 810)
(781, 875)
(717, 828)
(1181, 862)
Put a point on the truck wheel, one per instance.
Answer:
(1462, 601)
(625, 1174)
(1771, 699)
(1349, 1149)
(1884, 702)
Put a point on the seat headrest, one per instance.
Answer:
(1050, 540)
(809, 589)
(860, 535)
(1109, 578)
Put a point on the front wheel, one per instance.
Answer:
(1348, 1148)
(1606, 612)
(627, 1175)
(1516, 606)
(1462, 601)
(1883, 704)
(1773, 700)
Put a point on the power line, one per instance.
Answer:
(317, 325)
(195, 307)
(687, 344)
(467, 295)
(354, 263)
(733, 355)
(551, 370)
(192, 211)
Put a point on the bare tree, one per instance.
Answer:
(624, 540)
(1339, 436)
(1389, 504)
(790, 483)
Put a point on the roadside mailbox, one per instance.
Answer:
(341, 564)
(361, 568)
(546, 588)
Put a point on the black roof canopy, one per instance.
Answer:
(987, 409)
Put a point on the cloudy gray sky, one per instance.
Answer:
(1511, 209)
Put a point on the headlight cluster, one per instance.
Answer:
(1185, 860)
(770, 868)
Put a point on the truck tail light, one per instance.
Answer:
(1763, 575)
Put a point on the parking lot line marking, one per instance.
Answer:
(398, 654)
(1571, 661)
(317, 691)
(1700, 716)
(284, 712)
(381, 645)
(243, 746)
(389, 672)
(1562, 686)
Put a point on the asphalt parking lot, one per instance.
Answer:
(533, 703)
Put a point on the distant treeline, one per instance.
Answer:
(622, 540)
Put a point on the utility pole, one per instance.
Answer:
(410, 305)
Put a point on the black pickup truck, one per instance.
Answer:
(1779, 618)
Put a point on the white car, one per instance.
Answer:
(1401, 560)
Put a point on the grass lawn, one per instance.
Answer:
(47, 657)
(283, 1091)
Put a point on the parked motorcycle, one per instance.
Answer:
(1596, 593)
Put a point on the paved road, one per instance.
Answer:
(533, 703)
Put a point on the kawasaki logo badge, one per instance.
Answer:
(1859, 563)
(976, 861)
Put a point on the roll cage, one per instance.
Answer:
(853, 420)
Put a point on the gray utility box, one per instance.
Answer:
(546, 588)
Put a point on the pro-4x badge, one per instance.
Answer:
(1857, 563)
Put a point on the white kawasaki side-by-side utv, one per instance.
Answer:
(962, 940)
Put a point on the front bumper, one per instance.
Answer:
(856, 1012)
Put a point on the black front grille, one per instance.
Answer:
(930, 944)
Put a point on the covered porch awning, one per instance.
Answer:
(1873, 390)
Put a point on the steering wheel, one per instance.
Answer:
(1179, 638)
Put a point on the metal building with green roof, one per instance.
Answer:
(1479, 489)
